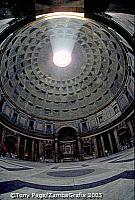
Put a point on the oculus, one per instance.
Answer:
(62, 58)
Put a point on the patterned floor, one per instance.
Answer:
(111, 176)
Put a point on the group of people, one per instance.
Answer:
(126, 144)
(4, 151)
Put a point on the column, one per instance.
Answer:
(44, 149)
(103, 145)
(131, 129)
(116, 139)
(110, 142)
(2, 134)
(40, 149)
(56, 150)
(95, 146)
(90, 146)
(18, 145)
(25, 148)
(33, 150)
(79, 148)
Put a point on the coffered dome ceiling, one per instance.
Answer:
(92, 80)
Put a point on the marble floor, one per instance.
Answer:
(109, 178)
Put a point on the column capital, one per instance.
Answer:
(115, 129)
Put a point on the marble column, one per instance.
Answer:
(110, 142)
(95, 146)
(56, 150)
(116, 139)
(2, 136)
(90, 147)
(25, 147)
(33, 150)
(40, 149)
(18, 145)
(131, 129)
(103, 145)
(44, 149)
(79, 148)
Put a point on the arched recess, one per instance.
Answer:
(67, 144)
(62, 128)
(10, 144)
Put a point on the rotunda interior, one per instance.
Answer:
(66, 86)
(89, 93)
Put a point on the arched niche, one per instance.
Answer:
(67, 144)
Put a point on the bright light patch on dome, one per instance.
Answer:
(62, 58)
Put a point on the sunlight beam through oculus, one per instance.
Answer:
(64, 37)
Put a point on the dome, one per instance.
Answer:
(90, 82)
